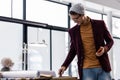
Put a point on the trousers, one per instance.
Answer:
(95, 74)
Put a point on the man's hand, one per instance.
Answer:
(100, 51)
(61, 71)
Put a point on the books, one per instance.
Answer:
(46, 75)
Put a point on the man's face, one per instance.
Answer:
(77, 18)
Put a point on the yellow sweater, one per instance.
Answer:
(86, 32)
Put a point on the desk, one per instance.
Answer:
(64, 78)
(58, 78)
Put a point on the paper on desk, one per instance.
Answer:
(21, 74)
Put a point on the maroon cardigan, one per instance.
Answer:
(102, 37)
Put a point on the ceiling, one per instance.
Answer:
(112, 5)
(109, 3)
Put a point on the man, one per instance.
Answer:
(90, 41)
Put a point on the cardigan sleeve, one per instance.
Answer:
(71, 53)
(108, 38)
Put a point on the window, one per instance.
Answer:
(5, 8)
(47, 12)
(93, 15)
(116, 53)
(38, 49)
(11, 43)
(116, 28)
(11, 8)
(59, 49)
